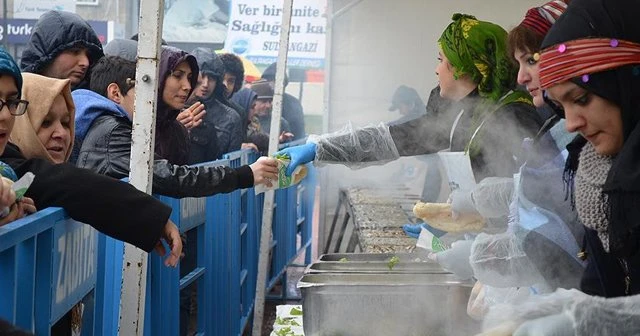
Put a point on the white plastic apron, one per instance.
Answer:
(457, 165)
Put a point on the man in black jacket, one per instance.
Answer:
(219, 118)
(62, 45)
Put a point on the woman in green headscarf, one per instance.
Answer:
(487, 122)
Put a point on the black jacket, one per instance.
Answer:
(292, 112)
(291, 108)
(605, 273)
(220, 120)
(501, 138)
(501, 135)
(54, 33)
(112, 207)
(106, 149)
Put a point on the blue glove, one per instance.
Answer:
(299, 155)
(552, 325)
(413, 230)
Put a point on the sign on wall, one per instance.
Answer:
(254, 31)
(32, 9)
(18, 31)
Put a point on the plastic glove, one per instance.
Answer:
(413, 230)
(299, 155)
(462, 203)
(456, 259)
(552, 325)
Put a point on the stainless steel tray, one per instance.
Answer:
(385, 304)
(373, 267)
(374, 257)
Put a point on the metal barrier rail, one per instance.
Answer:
(49, 262)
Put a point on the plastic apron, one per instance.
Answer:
(457, 165)
(529, 215)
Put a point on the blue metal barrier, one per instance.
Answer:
(49, 263)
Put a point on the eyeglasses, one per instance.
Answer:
(16, 106)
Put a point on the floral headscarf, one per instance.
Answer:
(479, 49)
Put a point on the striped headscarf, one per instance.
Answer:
(540, 19)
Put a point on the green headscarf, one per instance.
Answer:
(479, 49)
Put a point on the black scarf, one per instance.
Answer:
(611, 19)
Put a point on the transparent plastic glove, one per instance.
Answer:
(462, 203)
(456, 259)
(356, 147)
(484, 297)
(413, 230)
(499, 261)
(553, 325)
(299, 155)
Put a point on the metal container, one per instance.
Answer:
(385, 304)
(373, 267)
(374, 257)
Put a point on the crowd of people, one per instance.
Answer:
(66, 115)
(555, 164)
(544, 118)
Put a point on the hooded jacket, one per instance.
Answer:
(171, 137)
(291, 107)
(127, 49)
(245, 98)
(54, 33)
(220, 120)
(104, 133)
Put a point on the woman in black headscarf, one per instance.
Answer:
(590, 69)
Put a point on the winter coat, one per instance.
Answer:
(291, 107)
(112, 207)
(220, 120)
(54, 33)
(502, 135)
(265, 124)
(220, 125)
(244, 99)
(106, 149)
(171, 136)
(606, 274)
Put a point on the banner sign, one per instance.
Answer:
(254, 32)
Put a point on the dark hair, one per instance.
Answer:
(135, 38)
(233, 65)
(112, 69)
(524, 39)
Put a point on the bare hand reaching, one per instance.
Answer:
(7, 195)
(286, 137)
(171, 235)
(250, 146)
(264, 170)
(191, 117)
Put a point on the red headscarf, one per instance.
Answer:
(540, 19)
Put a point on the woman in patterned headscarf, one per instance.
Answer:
(476, 73)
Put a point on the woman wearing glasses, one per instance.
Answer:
(16, 209)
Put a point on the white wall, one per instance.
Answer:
(378, 45)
